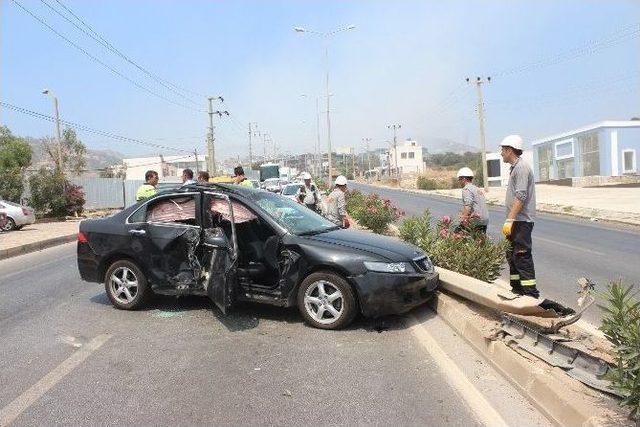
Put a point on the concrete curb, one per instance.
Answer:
(37, 246)
(546, 389)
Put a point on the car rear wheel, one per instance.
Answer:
(126, 285)
(10, 225)
(326, 301)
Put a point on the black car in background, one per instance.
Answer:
(234, 243)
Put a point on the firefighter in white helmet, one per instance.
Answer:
(336, 204)
(474, 215)
(520, 203)
(309, 194)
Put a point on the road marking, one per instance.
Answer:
(9, 413)
(566, 245)
(24, 270)
(476, 401)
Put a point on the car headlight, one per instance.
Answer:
(389, 267)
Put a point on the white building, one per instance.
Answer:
(409, 157)
(498, 171)
(169, 168)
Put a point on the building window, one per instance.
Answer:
(564, 149)
(589, 154)
(629, 161)
(544, 162)
(565, 168)
(493, 168)
(403, 155)
(412, 155)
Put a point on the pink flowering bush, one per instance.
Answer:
(372, 211)
(452, 245)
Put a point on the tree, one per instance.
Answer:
(73, 152)
(114, 171)
(53, 195)
(15, 157)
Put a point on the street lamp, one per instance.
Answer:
(57, 114)
(326, 36)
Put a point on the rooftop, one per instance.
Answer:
(587, 128)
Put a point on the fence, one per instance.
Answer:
(108, 193)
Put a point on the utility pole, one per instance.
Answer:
(366, 142)
(353, 161)
(395, 148)
(252, 132)
(318, 157)
(58, 133)
(195, 153)
(211, 160)
(264, 140)
(479, 82)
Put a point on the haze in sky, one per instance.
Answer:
(554, 66)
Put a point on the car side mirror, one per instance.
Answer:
(215, 237)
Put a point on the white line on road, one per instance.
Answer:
(476, 401)
(13, 410)
(566, 245)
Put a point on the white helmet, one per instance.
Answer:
(465, 172)
(513, 141)
(341, 180)
(306, 175)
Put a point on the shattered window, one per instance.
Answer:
(240, 212)
(181, 210)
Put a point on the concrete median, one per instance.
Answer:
(564, 400)
(36, 246)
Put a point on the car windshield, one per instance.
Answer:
(290, 190)
(294, 217)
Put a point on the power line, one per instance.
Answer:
(102, 41)
(93, 58)
(89, 129)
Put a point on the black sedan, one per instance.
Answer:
(234, 243)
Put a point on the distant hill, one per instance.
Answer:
(444, 145)
(96, 159)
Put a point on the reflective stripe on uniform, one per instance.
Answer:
(531, 282)
(514, 277)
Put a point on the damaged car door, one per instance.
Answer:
(220, 249)
(167, 242)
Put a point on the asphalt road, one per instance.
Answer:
(68, 357)
(564, 249)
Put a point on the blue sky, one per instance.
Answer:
(404, 63)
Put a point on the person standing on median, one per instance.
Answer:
(520, 202)
(336, 204)
(148, 189)
(474, 207)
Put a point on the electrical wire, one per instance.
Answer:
(106, 44)
(88, 129)
(95, 59)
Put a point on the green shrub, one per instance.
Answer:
(456, 248)
(621, 326)
(424, 183)
(371, 211)
(52, 195)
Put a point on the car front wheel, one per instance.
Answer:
(326, 301)
(10, 225)
(126, 285)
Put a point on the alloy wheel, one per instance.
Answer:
(124, 285)
(324, 302)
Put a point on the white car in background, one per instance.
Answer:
(272, 184)
(291, 191)
(17, 215)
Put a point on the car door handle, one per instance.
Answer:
(138, 232)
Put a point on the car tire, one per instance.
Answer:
(10, 225)
(327, 301)
(19, 227)
(126, 285)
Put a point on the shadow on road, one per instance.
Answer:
(246, 316)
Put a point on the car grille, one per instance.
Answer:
(423, 264)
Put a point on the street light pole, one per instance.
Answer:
(211, 148)
(326, 53)
(58, 134)
(395, 146)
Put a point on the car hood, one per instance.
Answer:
(387, 247)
